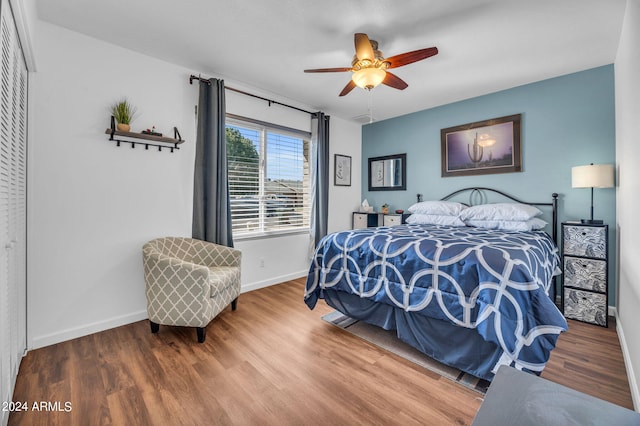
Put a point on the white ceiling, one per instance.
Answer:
(485, 45)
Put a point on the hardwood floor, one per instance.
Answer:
(273, 361)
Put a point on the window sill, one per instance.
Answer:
(270, 234)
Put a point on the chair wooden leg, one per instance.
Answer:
(234, 304)
(154, 327)
(202, 333)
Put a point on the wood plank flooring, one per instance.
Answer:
(272, 362)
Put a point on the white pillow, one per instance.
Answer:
(446, 208)
(500, 211)
(509, 225)
(434, 219)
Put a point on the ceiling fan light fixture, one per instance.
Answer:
(368, 78)
(369, 66)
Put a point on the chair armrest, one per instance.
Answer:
(168, 273)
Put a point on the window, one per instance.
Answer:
(268, 178)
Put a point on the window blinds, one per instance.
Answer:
(268, 179)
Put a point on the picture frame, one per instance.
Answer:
(342, 170)
(388, 173)
(484, 147)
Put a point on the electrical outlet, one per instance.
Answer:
(262, 262)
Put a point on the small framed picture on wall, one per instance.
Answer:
(342, 170)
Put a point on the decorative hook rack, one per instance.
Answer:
(149, 139)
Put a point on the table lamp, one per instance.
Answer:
(592, 176)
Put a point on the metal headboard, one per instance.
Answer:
(477, 196)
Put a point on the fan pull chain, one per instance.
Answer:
(370, 105)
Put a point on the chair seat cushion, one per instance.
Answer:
(223, 277)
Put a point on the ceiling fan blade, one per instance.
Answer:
(329, 70)
(349, 87)
(410, 57)
(363, 47)
(394, 81)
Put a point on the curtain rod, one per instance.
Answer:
(270, 101)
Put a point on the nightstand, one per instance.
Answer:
(585, 259)
(366, 220)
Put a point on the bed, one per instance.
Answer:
(467, 292)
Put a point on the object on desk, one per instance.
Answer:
(399, 211)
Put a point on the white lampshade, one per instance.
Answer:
(368, 78)
(592, 176)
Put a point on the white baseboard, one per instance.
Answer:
(72, 333)
(271, 281)
(633, 385)
(84, 330)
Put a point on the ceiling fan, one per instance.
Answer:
(369, 67)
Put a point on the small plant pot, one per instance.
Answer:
(385, 210)
(123, 127)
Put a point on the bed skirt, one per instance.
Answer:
(458, 347)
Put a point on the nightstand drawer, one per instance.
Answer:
(588, 274)
(360, 220)
(365, 220)
(392, 219)
(590, 241)
(585, 306)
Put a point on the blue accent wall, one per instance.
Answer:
(566, 121)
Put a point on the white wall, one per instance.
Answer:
(345, 139)
(92, 205)
(627, 72)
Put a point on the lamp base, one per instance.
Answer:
(592, 221)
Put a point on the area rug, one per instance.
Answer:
(387, 339)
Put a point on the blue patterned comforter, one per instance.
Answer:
(495, 282)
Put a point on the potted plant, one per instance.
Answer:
(124, 113)
(385, 208)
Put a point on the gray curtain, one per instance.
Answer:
(211, 208)
(320, 177)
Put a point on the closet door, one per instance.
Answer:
(13, 191)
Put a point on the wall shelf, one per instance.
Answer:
(160, 142)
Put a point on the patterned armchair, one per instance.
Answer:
(189, 281)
